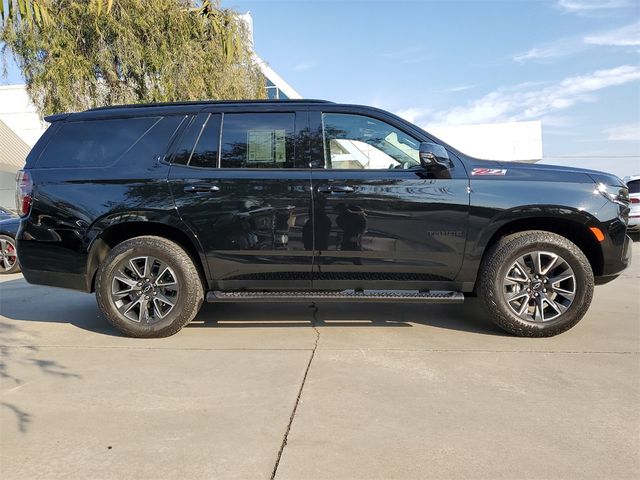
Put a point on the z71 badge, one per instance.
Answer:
(488, 171)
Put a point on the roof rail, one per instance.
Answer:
(205, 102)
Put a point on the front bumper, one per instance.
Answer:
(616, 264)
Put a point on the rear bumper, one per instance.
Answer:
(57, 279)
(55, 258)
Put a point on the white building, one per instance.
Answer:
(510, 141)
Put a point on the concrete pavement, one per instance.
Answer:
(390, 392)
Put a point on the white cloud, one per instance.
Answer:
(533, 101)
(580, 6)
(559, 48)
(301, 67)
(627, 36)
(411, 114)
(460, 88)
(627, 133)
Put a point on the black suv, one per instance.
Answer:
(159, 207)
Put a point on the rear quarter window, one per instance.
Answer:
(94, 143)
(634, 186)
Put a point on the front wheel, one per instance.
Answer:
(535, 284)
(149, 287)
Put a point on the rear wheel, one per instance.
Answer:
(149, 287)
(536, 284)
(8, 256)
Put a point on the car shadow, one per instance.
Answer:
(29, 303)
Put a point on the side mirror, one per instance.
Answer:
(433, 156)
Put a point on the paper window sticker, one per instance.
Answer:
(281, 153)
(260, 145)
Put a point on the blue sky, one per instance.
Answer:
(574, 64)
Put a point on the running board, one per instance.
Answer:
(401, 296)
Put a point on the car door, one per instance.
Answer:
(238, 183)
(381, 220)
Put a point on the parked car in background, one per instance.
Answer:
(306, 201)
(633, 184)
(8, 254)
(6, 213)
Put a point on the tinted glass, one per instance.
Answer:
(155, 141)
(634, 186)
(189, 138)
(94, 143)
(357, 142)
(258, 140)
(205, 153)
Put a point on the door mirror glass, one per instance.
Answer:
(433, 156)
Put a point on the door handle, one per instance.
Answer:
(336, 189)
(201, 188)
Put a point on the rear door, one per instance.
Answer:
(381, 220)
(239, 182)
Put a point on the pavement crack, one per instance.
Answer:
(314, 323)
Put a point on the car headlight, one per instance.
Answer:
(619, 195)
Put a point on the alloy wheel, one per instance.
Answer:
(8, 256)
(539, 286)
(144, 289)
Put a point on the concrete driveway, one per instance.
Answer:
(342, 392)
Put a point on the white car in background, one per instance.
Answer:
(633, 183)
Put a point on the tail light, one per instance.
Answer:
(24, 189)
(634, 200)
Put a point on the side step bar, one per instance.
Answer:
(401, 296)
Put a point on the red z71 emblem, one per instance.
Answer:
(489, 171)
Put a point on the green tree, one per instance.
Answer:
(77, 54)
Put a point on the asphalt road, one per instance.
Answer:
(358, 391)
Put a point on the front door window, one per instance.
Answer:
(357, 142)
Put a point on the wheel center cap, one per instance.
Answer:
(147, 287)
(537, 285)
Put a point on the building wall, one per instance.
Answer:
(8, 190)
(19, 113)
(510, 141)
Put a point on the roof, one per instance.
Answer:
(208, 102)
(187, 107)
(14, 150)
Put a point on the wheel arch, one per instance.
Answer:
(119, 232)
(574, 230)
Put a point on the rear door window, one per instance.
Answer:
(258, 140)
(198, 146)
(94, 143)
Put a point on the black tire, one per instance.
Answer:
(501, 257)
(8, 265)
(189, 293)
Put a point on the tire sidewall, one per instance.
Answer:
(500, 259)
(168, 324)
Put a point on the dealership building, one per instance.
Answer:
(21, 127)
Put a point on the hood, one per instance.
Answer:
(10, 225)
(541, 172)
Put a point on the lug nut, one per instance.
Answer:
(535, 294)
(544, 290)
(528, 289)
